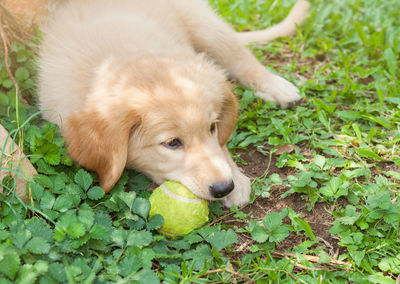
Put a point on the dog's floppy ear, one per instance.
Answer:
(98, 140)
(228, 116)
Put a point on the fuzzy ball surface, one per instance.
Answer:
(181, 209)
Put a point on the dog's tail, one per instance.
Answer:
(285, 28)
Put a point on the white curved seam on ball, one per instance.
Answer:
(168, 233)
(181, 198)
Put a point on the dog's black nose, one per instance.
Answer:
(221, 189)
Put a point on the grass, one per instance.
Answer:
(343, 156)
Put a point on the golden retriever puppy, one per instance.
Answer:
(143, 84)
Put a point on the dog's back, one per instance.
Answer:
(81, 35)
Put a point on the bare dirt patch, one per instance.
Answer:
(318, 216)
(305, 66)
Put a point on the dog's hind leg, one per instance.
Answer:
(285, 28)
(209, 34)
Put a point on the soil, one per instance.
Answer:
(258, 164)
(318, 217)
(304, 65)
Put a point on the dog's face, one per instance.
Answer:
(181, 138)
(172, 129)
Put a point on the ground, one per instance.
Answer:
(325, 174)
(318, 216)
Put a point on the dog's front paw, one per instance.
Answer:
(279, 91)
(241, 194)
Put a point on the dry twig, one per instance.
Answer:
(314, 259)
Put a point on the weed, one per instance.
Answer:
(343, 154)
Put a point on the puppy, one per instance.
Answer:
(143, 84)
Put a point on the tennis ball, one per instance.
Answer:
(181, 209)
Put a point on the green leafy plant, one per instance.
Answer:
(335, 155)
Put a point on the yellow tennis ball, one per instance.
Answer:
(181, 209)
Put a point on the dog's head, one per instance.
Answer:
(170, 121)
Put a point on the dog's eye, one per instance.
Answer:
(174, 143)
(213, 126)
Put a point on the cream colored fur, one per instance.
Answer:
(124, 77)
